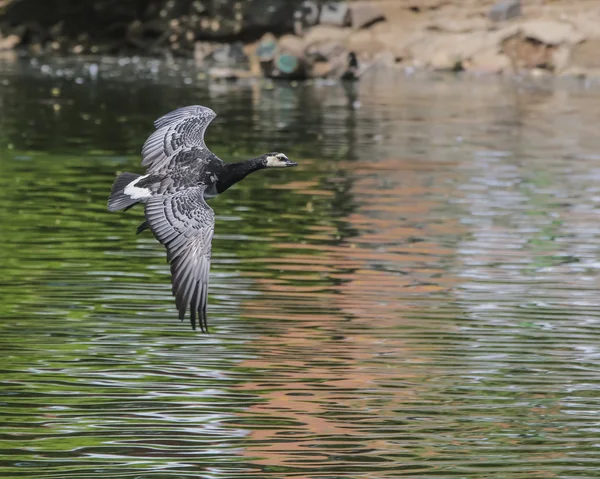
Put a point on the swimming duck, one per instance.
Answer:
(181, 174)
(352, 71)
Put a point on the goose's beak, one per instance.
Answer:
(289, 162)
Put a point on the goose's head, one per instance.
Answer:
(277, 160)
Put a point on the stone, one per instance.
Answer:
(266, 48)
(489, 61)
(446, 61)
(290, 61)
(561, 58)
(306, 16)
(364, 14)
(458, 25)
(419, 6)
(322, 70)
(364, 42)
(526, 53)
(505, 10)
(228, 54)
(393, 40)
(552, 32)
(335, 13)
(588, 23)
(539, 73)
(290, 66)
(322, 33)
(324, 51)
(585, 55)
(386, 58)
(292, 44)
(449, 51)
(201, 52)
(9, 42)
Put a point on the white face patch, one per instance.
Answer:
(276, 161)
(136, 193)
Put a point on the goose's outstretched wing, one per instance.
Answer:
(185, 224)
(182, 129)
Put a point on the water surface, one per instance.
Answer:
(419, 298)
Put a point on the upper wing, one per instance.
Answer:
(181, 129)
(185, 224)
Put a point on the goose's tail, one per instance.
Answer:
(118, 200)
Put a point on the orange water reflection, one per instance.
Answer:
(330, 400)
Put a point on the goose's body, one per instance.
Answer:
(181, 174)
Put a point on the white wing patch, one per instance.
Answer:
(136, 193)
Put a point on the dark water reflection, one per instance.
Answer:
(418, 299)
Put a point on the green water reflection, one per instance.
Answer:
(417, 299)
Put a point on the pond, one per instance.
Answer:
(419, 298)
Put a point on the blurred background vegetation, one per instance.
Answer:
(111, 26)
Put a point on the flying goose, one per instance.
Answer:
(181, 174)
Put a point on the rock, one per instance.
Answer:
(306, 16)
(201, 51)
(588, 23)
(446, 61)
(561, 58)
(228, 54)
(322, 70)
(489, 61)
(552, 32)
(527, 53)
(9, 42)
(364, 14)
(290, 61)
(324, 51)
(322, 33)
(585, 55)
(387, 58)
(457, 25)
(263, 55)
(290, 66)
(505, 33)
(505, 10)
(418, 6)
(219, 54)
(335, 13)
(291, 44)
(8, 56)
(393, 40)
(266, 48)
(365, 43)
(449, 51)
(539, 73)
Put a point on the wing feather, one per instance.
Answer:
(184, 224)
(179, 130)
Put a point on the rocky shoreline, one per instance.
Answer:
(334, 39)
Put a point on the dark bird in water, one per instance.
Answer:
(181, 174)
(352, 71)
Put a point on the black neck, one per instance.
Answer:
(234, 172)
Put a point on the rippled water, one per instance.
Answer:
(418, 299)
